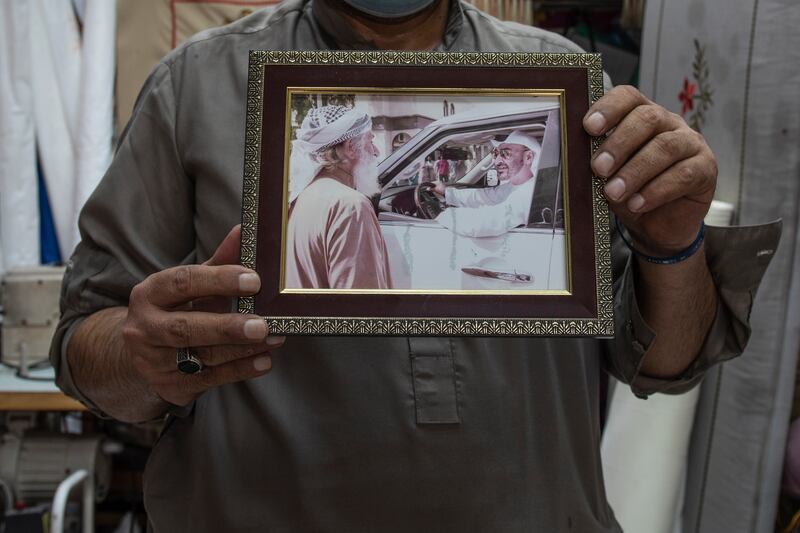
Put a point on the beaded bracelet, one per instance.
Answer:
(671, 260)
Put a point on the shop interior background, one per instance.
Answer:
(709, 461)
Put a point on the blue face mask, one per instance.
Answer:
(390, 8)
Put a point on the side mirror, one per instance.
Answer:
(491, 178)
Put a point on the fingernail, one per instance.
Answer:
(615, 188)
(255, 328)
(262, 363)
(603, 163)
(595, 123)
(636, 202)
(249, 282)
(275, 340)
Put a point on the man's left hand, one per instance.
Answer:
(661, 174)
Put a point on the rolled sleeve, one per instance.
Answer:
(138, 221)
(92, 281)
(737, 258)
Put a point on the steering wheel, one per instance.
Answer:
(428, 204)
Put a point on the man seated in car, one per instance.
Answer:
(492, 211)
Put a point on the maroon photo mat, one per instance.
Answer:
(581, 303)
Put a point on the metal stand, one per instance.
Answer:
(59, 507)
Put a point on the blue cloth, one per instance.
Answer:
(49, 252)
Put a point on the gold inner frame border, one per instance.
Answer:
(494, 92)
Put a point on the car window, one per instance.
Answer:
(547, 205)
(449, 160)
(465, 159)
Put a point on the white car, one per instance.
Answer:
(423, 255)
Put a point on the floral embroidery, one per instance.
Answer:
(696, 97)
(686, 96)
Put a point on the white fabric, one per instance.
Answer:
(644, 450)
(95, 108)
(63, 41)
(54, 45)
(487, 212)
(80, 8)
(19, 214)
(302, 169)
(57, 99)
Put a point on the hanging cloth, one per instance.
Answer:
(19, 219)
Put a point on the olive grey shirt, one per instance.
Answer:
(359, 434)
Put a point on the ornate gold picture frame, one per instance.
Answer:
(425, 194)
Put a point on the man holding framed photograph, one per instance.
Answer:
(374, 434)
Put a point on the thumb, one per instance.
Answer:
(228, 251)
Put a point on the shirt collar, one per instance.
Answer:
(339, 34)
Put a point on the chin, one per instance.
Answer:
(369, 190)
(365, 174)
(366, 180)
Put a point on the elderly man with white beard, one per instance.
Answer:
(333, 237)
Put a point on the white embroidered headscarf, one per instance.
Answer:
(526, 140)
(322, 128)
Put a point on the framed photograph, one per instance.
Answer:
(425, 194)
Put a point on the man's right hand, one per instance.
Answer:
(189, 306)
(439, 187)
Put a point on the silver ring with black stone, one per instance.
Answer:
(187, 361)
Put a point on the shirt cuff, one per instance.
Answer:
(737, 258)
(93, 280)
(67, 385)
(58, 358)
